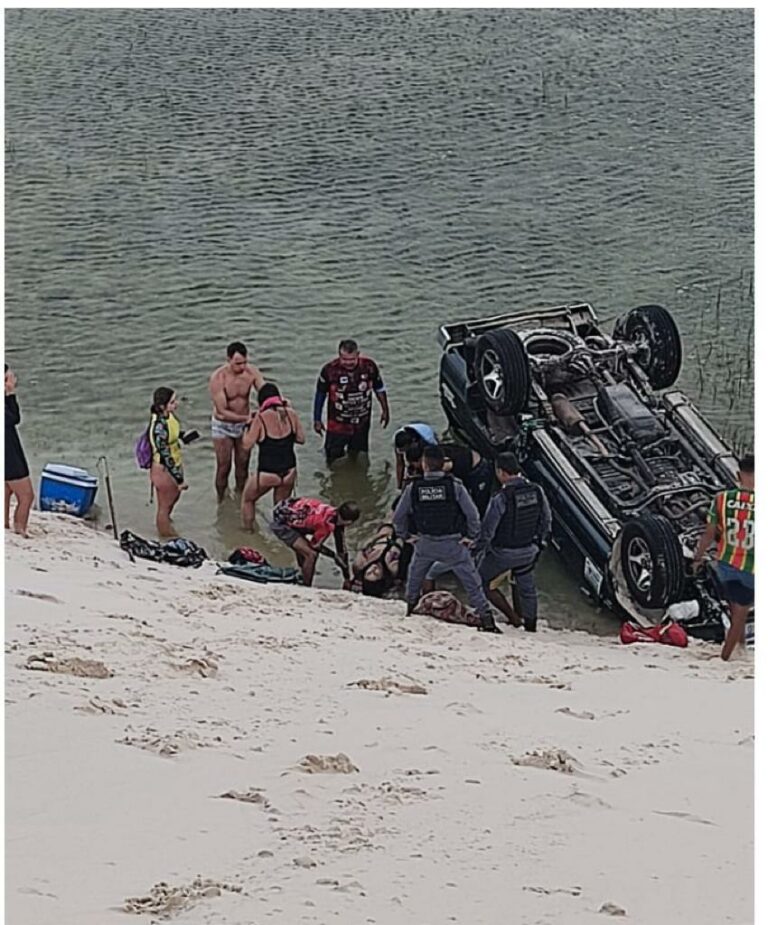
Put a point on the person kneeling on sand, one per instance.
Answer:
(305, 524)
(437, 509)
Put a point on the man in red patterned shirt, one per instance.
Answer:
(305, 524)
(349, 383)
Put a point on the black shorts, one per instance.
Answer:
(338, 445)
(16, 467)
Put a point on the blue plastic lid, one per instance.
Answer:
(69, 472)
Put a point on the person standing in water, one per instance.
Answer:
(275, 429)
(230, 387)
(348, 382)
(166, 472)
(17, 481)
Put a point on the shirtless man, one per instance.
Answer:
(230, 387)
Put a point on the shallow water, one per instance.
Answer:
(177, 179)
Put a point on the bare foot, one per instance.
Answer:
(740, 653)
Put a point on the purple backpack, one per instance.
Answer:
(143, 451)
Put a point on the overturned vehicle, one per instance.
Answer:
(628, 463)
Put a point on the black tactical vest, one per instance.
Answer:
(520, 521)
(434, 507)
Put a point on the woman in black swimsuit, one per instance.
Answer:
(17, 480)
(276, 429)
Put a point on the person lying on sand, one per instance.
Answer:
(380, 568)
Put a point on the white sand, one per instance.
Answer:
(238, 682)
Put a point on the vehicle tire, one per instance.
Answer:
(652, 561)
(502, 371)
(654, 328)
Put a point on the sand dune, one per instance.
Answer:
(188, 746)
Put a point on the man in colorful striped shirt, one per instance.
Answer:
(731, 521)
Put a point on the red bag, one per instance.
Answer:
(245, 555)
(670, 634)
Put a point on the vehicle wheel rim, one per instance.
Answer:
(640, 563)
(491, 375)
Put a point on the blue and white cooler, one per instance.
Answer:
(67, 490)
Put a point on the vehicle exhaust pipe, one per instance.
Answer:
(573, 421)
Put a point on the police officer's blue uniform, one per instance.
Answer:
(438, 510)
(518, 519)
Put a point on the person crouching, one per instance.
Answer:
(437, 509)
(304, 524)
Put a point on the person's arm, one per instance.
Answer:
(399, 468)
(12, 411)
(321, 390)
(160, 440)
(258, 378)
(545, 518)
(384, 402)
(402, 513)
(706, 540)
(469, 509)
(381, 394)
(710, 531)
(219, 398)
(298, 430)
(491, 521)
(342, 556)
(253, 434)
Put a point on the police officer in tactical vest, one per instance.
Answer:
(517, 522)
(437, 509)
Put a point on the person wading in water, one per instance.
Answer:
(275, 429)
(349, 383)
(17, 481)
(166, 472)
(230, 387)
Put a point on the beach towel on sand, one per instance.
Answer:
(444, 606)
(262, 573)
